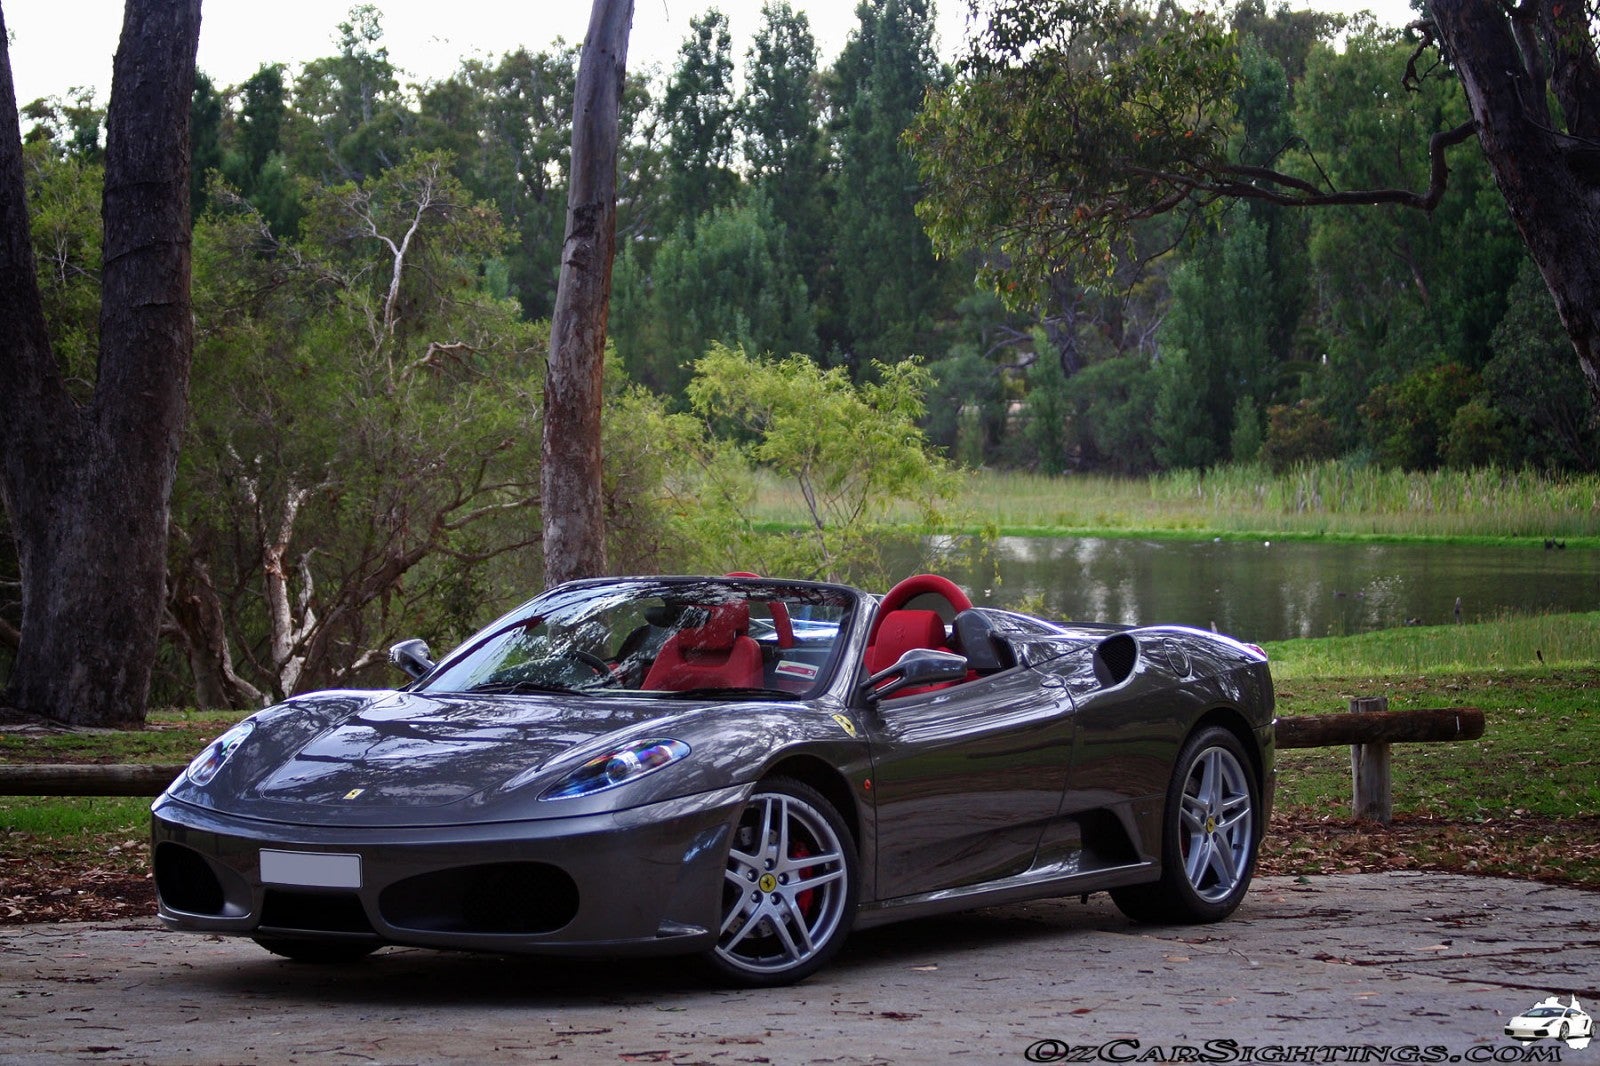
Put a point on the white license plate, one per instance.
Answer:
(310, 869)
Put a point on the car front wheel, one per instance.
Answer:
(1210, 831)
(789, 890)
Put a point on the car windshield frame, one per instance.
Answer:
(604, 638)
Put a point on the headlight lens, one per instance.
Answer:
(208, 762)
(618, 768)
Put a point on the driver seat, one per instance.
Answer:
(901, 631)
(716, 651)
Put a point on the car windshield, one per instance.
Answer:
(666, 638)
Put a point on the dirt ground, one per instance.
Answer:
(1428, 963)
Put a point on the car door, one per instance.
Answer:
(965, 779)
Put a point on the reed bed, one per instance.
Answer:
(1327, 499)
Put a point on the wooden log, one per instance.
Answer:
(1379, 727)
(85, 779)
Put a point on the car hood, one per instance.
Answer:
(393, 758)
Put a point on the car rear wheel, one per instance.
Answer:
(789, 890)
(325, 952)
(1210, 832)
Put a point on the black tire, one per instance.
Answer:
(1565, 1029)
(1211, 832)
(318, 952)
(784, 914)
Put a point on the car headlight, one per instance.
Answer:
(618, 767)
(210, 761)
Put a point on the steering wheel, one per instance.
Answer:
(601, 668)
(912, 587)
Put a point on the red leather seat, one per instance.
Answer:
(899, 632)
(716, 653)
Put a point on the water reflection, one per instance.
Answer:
(1275, 590)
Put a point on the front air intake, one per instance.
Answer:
(185, 881)
(505, 898)
(314, 912)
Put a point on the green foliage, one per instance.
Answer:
(852, 450)
(1185, 434)
(64, 215)
(1408, 422)
(1049, 419)
(1113, 404)
(699, 107)
(205, 139)
(1533, 382)
(782, 135)
(349, 118)
(1397, 291)
(1146, 93)
(1245, 443)
(729, 280)
(1297, 434)
(887, 276)
(363, 439)
(70, 126)
(1227, 355)
(509, 124)
(1478, 436)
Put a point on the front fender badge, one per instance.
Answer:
(846, 724)
(353, 793)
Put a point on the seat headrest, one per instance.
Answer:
(714, 627)
(900, 631)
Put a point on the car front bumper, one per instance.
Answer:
(641, 881)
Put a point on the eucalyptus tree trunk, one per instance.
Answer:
(87, 486)
(571, 501)
(1511, 59)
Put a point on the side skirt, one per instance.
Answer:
(1060, 879)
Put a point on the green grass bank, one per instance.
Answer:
(1326, 500)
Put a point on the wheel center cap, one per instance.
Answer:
(1211, 824)
(767, 883)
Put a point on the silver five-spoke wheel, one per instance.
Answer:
(1210, 833)
(789, 887)
(1216, 820)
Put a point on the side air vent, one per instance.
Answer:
(1114, 659)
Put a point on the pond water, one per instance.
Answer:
(1276, 590)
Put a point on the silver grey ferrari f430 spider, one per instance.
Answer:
(737, 768)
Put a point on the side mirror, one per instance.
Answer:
(412, 657)
(914, 669)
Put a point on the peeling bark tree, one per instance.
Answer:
(87, 486)
(569, 481)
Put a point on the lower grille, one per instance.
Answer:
(320, 912)
(507, 898)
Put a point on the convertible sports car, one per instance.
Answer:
(738, 768)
